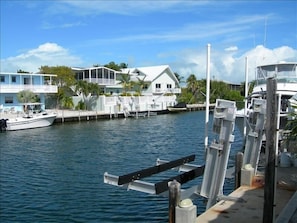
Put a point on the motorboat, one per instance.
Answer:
(285, 74)
(33, 117)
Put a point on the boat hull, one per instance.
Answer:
(22, 123)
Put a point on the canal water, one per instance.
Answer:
(55, 174)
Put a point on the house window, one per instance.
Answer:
(26, 80)
(105, 74)
(145, 86)
(86, 74)
(169, 86)
(2, 79)
(158, 86)
(111, 75)
(100, 73)
(93, 73)
(8, 100)
(13, 79)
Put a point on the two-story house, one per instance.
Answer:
(12, 83)
(157, 79)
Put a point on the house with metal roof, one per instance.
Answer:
(156, 80)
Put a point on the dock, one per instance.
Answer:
(250, 202)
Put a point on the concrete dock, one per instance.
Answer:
(250, 207)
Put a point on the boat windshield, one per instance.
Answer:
(284, 73)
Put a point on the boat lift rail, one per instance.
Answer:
(133, 180)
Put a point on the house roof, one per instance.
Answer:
(150, 73)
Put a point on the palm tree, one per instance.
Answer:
(140, 85)
(87, 89)
(126, 83)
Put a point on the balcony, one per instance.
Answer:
(9, 88)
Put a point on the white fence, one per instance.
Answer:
(121, 104)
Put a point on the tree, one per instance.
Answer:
(27, 96)
(113, 65)
(126, 83)
(65, 75)
(87, 89)
(139, 85)
(65, 80)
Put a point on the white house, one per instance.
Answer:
(158, 79)
(12, 83)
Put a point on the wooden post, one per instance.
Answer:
(174, 198)
(238, 166)
(269, 188)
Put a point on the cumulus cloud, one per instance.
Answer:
(228, 66)
(47, 54)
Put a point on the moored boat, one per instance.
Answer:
(285, 74)
(33, 117)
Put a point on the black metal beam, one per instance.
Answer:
(127, 178)
(182, 178)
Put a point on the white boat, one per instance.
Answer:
(285, 74)
(33, 118)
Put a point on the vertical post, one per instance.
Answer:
(207, 96)
(246, 89)
(269, 188)
(238, 166)
(174, 198)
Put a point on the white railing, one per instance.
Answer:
(8, 88)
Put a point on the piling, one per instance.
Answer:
(238, 166)
(174, 198)
(270, 185)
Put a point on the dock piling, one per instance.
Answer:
(174, 198)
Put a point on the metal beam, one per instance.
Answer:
(127, 178)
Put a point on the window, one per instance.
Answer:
(8, 100)
(145, 86)
(86, 74)
(100, 73)
(169, 86)
(93, 73)
(105, 73)
(158, 86)
(111, 75)
(13, 79)
(26, 80)
(2, 79)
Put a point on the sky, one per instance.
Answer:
(75, 33)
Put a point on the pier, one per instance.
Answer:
(247, 202)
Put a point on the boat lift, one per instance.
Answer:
(213, 171)
(254, 138)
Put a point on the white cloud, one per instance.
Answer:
(226, 66)
(50, 54)
(231, 49)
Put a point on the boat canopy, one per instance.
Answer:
(283, 72)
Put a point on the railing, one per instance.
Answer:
(8, 88)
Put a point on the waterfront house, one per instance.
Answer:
(158, 90)
(157, 80)
(12, 83)
(103, 76)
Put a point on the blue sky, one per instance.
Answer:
(147, 33)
